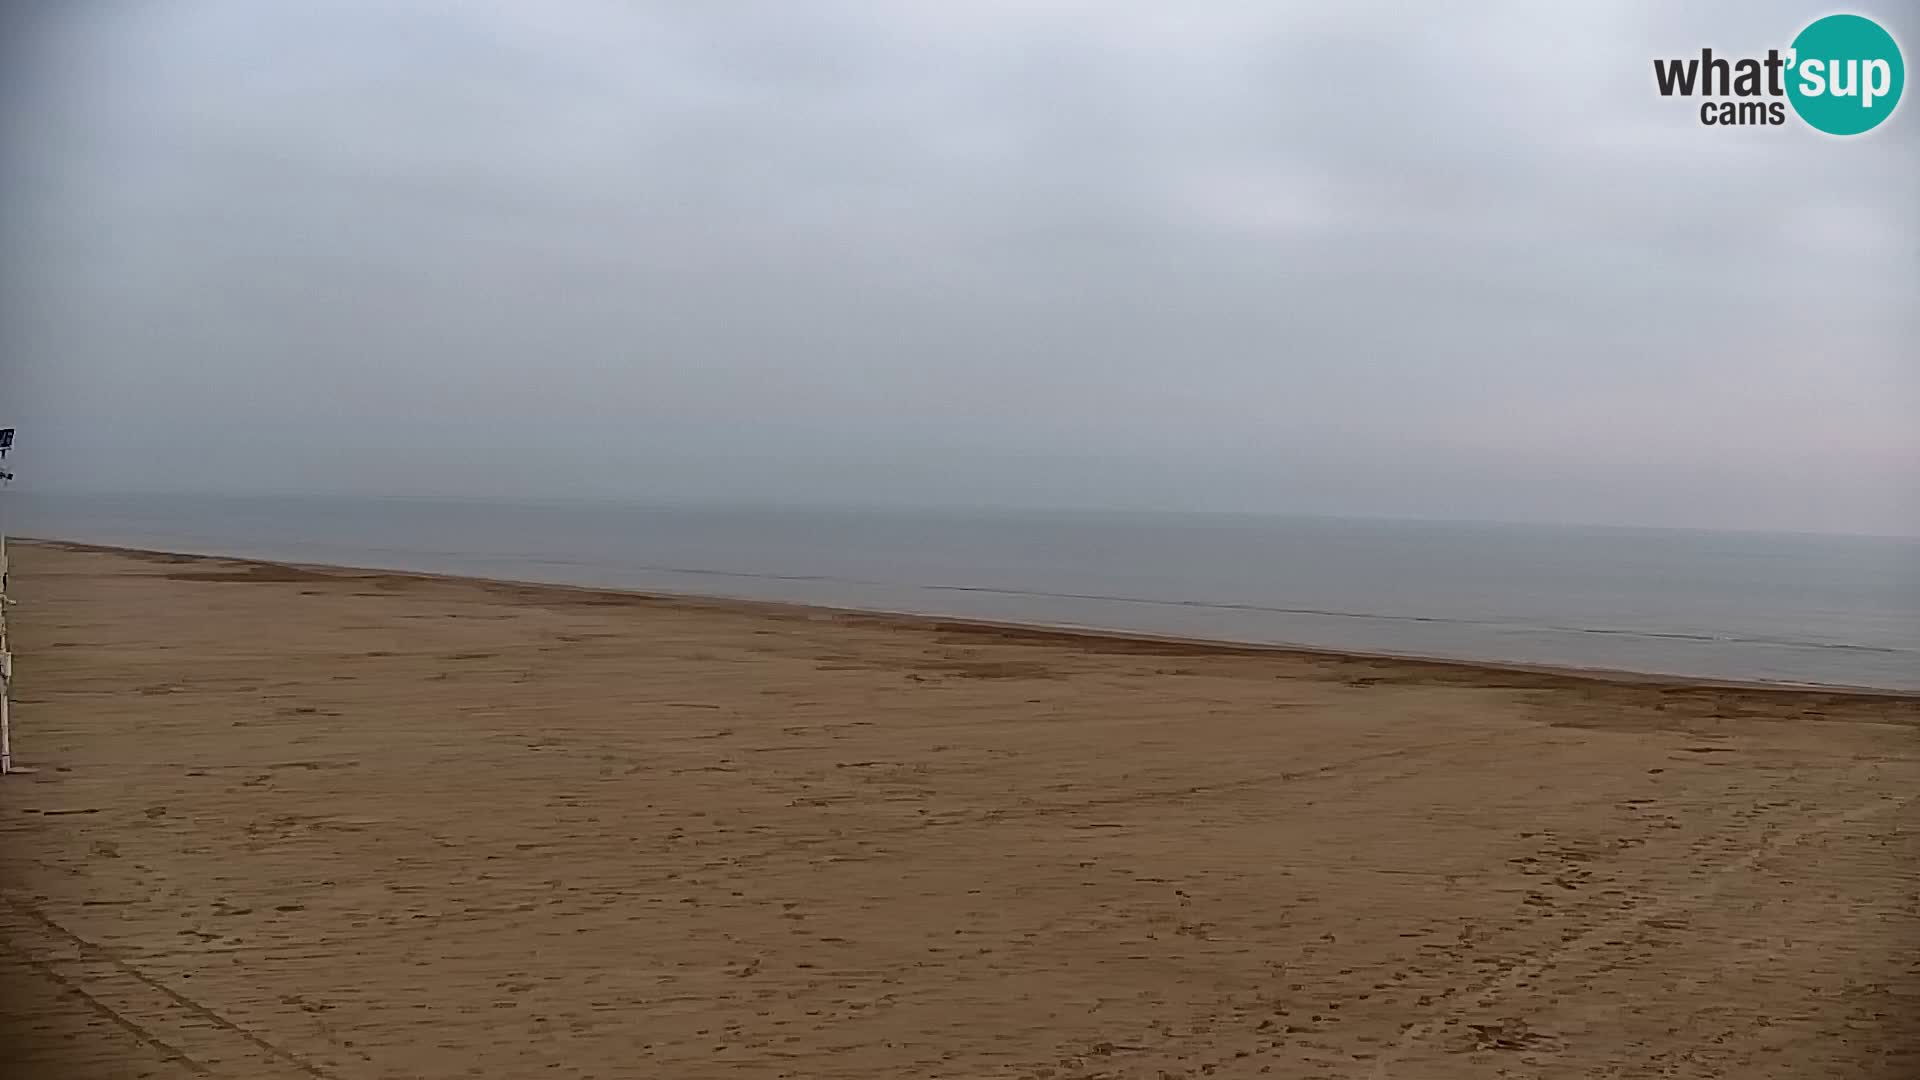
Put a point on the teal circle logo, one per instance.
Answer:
(1845, 75)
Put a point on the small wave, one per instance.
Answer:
(1732, 639)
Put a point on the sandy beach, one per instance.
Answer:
(298, 822)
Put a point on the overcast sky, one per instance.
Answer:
(1373, 259)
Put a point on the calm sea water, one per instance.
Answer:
(1793, 608)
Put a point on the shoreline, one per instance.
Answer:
(1429, 670)
(393, 824)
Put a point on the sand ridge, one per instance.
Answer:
(293, 821)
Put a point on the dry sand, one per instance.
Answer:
(301, 823)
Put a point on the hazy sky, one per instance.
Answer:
(1376, 259)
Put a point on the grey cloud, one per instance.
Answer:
(1348, 260)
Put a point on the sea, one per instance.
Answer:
(1786, 608)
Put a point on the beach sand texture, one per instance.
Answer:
(295, 823)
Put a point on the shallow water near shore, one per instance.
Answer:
(1793, 608)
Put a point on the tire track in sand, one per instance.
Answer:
(1487, 992)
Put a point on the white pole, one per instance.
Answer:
(6, 656)
(6, 669)
(6, 734)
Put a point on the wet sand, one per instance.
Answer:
(296, 822)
